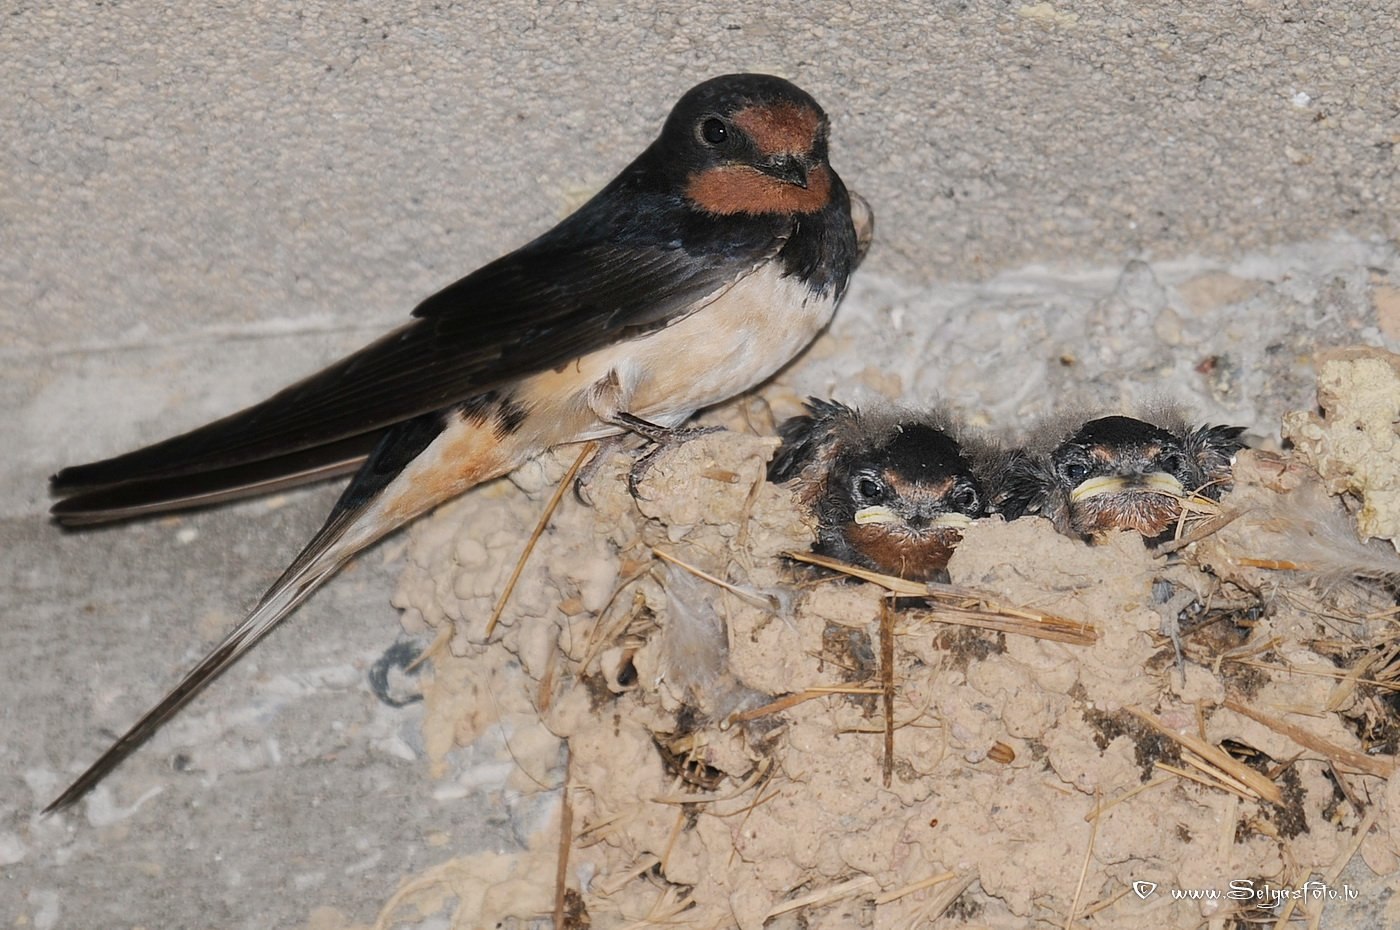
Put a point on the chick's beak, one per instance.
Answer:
(918, 520)
(1157, 481)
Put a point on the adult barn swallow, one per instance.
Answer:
(889, 491)
(1117, 472)
(710, 262)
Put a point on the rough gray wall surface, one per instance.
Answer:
(199, 204)
(172, 171)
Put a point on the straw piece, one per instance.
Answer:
(1380, 766)
(965, 607)
(823, 896)
(920, 885)
(1217, 757)
(566, 842)
(887, 687)
(584, 455)
(1083, 872)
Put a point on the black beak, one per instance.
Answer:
(790, 169)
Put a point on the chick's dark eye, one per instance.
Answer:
(868, 489)
(1172, 462)
(1074, 471)
(965, 500)
(714, 131)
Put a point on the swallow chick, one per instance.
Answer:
(889, 491)
(1117, 472)
(711, 261)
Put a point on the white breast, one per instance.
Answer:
(727, 347)
(737, 342)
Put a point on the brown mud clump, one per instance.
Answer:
(1063, 719)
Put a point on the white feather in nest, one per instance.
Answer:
(694, 648)
(1310, 529)
(1280, 533)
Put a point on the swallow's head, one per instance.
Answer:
(1124, 473)
(899, 506)
(749, 143)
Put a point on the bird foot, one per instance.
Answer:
(586, 474)
(663, 439)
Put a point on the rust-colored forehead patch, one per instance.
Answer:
(780, 127)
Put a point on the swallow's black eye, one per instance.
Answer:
(714, 131)
(1172, 463)
(966, 500)
(869, 489)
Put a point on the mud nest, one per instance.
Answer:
(738, 738)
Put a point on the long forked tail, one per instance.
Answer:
(330, 549)
(355, 522)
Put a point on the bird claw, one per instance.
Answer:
(657, 439)
(662, 440)
(586, 474)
